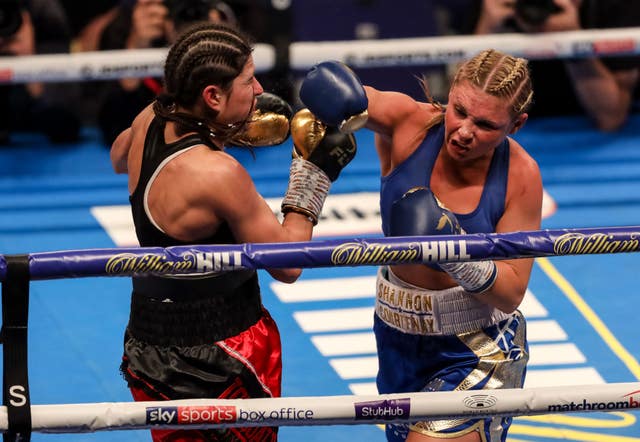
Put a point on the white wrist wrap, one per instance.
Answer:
(308, 188)
(474, 277)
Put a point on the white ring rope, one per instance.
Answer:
(330, 410)
(439, 50)
(102, 65)
(108, 65)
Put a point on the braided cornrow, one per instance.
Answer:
(204, 54)
(500, 75)
(481, 67)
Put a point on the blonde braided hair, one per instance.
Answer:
(500, 75)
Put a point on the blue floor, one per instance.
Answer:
(76, 326)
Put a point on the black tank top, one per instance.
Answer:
(156, 151)
(202, 309)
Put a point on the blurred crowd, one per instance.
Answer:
(60, 110)
(602, 89)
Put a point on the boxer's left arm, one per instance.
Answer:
(119, 153)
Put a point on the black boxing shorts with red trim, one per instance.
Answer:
(208, 337)
(247, 365)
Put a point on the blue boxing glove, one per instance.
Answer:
(334, 94)
(420, 213)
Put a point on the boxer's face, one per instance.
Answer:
(237, 102)
(476, 122)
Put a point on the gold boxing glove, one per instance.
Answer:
(325, 146)
(307, 132)
(269, 124)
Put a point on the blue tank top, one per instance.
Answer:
(416, 170)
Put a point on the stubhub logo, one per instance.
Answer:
(191, 415)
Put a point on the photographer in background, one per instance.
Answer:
(602, 88)
(140, 24)
(31, 27)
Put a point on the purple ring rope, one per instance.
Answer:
(330, 253)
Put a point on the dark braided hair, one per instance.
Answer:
(204, 54)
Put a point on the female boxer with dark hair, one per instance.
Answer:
(208, 335)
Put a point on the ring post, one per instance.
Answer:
(15, 315)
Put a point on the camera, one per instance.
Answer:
(189, 11)
(10, 17)
(535, 12)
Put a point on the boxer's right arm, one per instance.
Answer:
(334, 93)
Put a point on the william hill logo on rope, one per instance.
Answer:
(191, 415)
(387, 410)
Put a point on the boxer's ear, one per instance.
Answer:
(518, 123)
(212, 96)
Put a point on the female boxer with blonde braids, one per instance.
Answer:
(452, 326)
(208, 335)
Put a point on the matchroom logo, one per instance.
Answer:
(191, 415)
(627, 402)
(387, 410)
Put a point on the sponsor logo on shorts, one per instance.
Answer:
(191, 415)
(387, 410)
(628, 401)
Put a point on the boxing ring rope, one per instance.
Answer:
(107, 65)
(353, 252)
(102, 65)
(18, 417)
(330, 410)
(440, 50)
